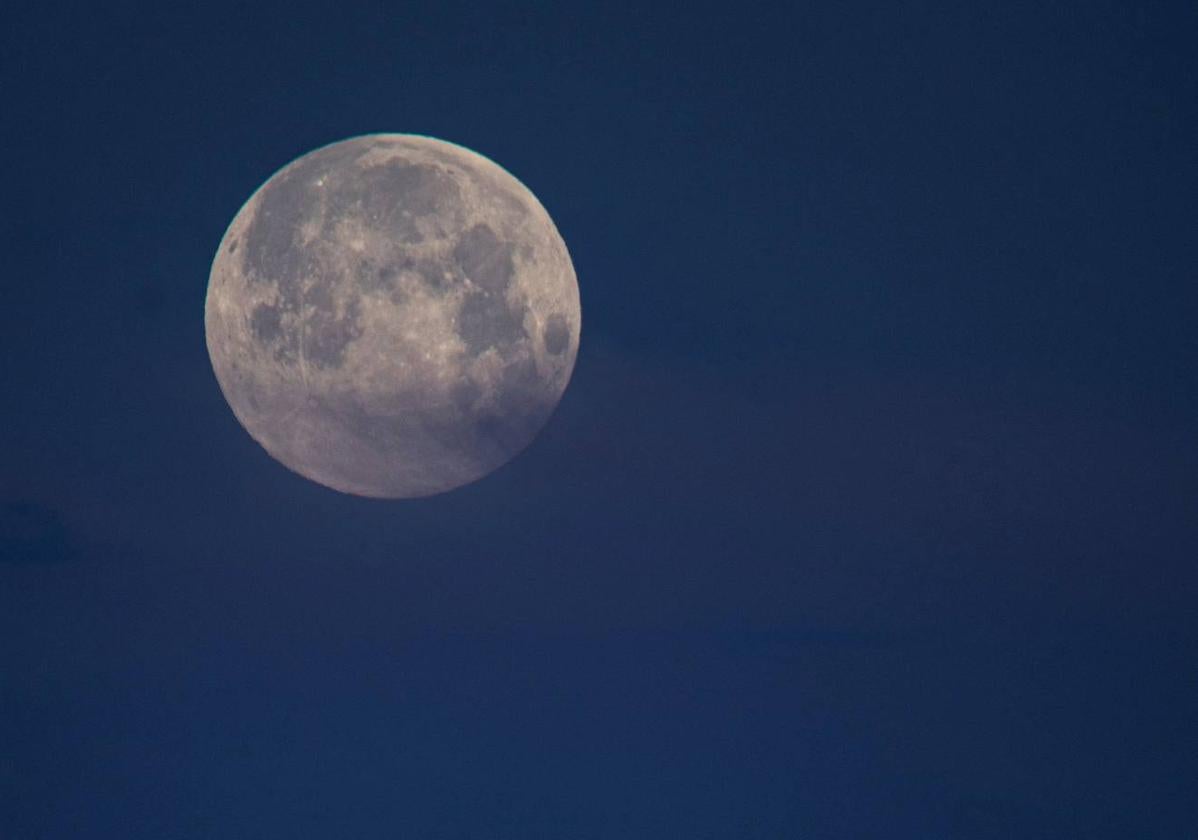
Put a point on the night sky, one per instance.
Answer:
(871, 510)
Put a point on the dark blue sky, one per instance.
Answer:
(871, 510)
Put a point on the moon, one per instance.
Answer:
(392, 316)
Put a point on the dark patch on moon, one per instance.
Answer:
(329, 333)
(433, 276)
(323, 338)
(272, 253)
(521, 375)
(556, 334)
(523, 393)
(479, 437)
(485, 259)
(387, 276)
(394, 197)
(268, 329)
(320, 298)
(304, 322)
(506, 423)
(399, 188)
(487, 431)
(486, 321)
(265, 323)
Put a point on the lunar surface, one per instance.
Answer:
(392, 316)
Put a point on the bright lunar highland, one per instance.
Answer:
(392, 316)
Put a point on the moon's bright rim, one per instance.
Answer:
(392, 315)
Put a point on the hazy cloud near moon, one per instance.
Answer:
(393, 316)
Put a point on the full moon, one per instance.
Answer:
(392, 316)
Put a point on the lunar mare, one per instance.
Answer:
(392, 316)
